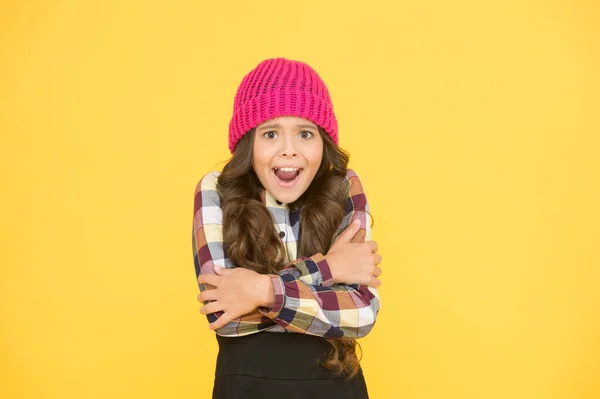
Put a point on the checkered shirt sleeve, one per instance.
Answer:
(306, 300)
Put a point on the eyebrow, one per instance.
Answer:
(305, 126)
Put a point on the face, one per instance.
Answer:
(287, 155)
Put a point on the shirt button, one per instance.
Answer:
(281, 234)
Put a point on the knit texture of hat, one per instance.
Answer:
(281, 87)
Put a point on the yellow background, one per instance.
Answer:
(474, 126)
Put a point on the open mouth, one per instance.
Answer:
(287, 176)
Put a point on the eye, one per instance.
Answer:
(305, 134)
(270, 134)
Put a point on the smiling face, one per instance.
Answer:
(287, 155)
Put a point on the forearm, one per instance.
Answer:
(267, 296)
(330, 312)
(312, 270)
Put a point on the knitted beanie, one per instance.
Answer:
(281, 87)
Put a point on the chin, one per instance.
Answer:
(287, 198)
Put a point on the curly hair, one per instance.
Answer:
(250, 238)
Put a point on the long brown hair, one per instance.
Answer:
(249, 236)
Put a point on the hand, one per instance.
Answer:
(354, 263)
(237, 291)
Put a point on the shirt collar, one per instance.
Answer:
(270, 201)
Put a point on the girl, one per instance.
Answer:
(281, 241)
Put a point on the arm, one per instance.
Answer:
(207, 246)
(331, 310)
(328, 310)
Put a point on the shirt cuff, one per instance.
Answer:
(279, 290)
(324, 268)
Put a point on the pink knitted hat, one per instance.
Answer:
(281, 87)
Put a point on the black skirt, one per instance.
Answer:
(277, 365)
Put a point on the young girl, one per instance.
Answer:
(282, 245)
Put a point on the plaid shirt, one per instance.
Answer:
(306, 300)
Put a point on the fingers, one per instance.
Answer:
(209, 279)
(377, 258)
(350, 232)
(207, 295)
(221, 321)
(211, 307)
(372, 245)
(375, 283)
(223, 271)
(377, 271)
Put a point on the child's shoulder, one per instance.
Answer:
(208, 181)
(350, 173)
(354, 181)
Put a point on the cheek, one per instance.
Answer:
(260, 157)
(315, 155)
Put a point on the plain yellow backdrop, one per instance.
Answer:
(474, 126)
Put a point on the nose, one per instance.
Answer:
(288, 147)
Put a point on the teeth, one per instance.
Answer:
(288, 169)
